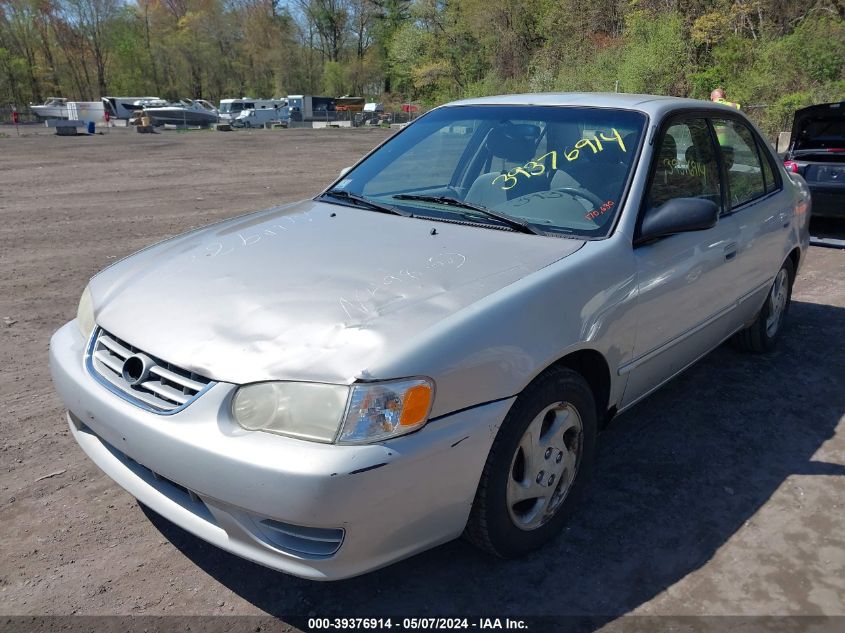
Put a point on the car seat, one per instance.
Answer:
(664, 184)
(607, 169)
(515, 144)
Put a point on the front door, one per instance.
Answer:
(684, 290)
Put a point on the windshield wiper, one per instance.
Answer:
(515, 223)
(366, 202)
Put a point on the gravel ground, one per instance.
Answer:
(724, 493)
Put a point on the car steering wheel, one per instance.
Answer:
(581, 193)
(576, 192)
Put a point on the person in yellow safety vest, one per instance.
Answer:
(718, 96)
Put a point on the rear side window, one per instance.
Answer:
(686, 165)
(772, 181)
(742, 162)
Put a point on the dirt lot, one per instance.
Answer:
(724, 493)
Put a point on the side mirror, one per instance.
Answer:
(678, 215)
(345, 171)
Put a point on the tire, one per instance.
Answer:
(556, 404)
(761, 336)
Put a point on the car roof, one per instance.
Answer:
(650, 104)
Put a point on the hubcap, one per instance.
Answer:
(777, 302)
(544, 465)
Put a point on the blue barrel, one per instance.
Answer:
(90, 127)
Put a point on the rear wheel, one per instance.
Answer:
(762, 335)
(538, 466)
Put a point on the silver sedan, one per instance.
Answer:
(430, 347)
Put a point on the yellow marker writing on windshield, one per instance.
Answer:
(595, 144)
(537, 166)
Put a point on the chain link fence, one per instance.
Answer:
(25, 116)
(387, 116)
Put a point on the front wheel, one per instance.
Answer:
(762, 334)
(538, 467)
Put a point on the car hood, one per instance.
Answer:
(309, 291)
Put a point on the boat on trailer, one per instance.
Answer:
(126, 107)
(52, 108)
(185, 112)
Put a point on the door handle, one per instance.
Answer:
(730, 251)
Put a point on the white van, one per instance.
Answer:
(230, 109)
(257, 118)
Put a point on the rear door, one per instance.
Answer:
(758, 212)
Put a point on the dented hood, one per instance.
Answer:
(309, 291)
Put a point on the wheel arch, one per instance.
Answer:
(593, 367)
(795, 256)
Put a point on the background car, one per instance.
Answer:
(817, 152)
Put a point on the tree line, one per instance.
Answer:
(772, 56)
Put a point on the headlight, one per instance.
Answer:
(387, 409)
(308, 410)
(85, 314)
(335, 413)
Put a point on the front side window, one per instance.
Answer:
(742, 162)
(686, 165)
(561, 170)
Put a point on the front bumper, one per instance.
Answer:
(208, 475)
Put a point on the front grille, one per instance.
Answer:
(164, 388)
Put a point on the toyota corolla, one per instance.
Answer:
(429, 348)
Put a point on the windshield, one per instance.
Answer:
(561, 170)
(225, 107)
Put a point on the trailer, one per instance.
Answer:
(311, 108)
(86, 111)
(80, 114)
(349, 104)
